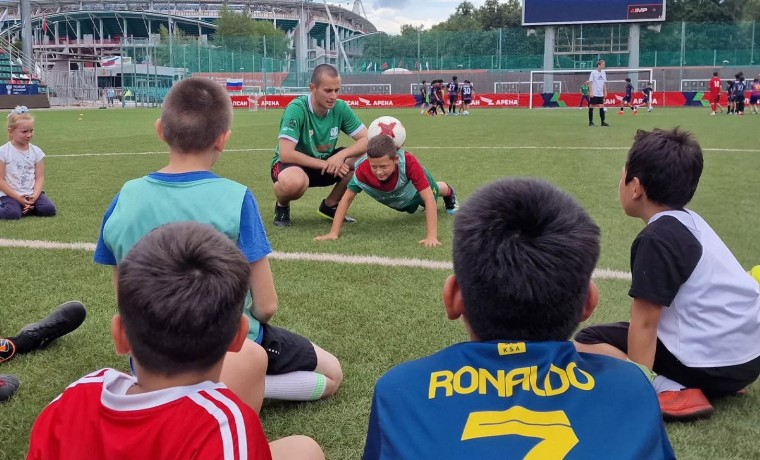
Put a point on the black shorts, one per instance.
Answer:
(597, 100)
(452, 98)
(287, 351)
(754, 99)
(316, 178)
(466, 100)
(713, 381)
(627, 99)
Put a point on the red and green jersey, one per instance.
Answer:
(316, 136)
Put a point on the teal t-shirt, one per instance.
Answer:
(316, 136)
(584, 90)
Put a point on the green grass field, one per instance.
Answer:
(371, 317)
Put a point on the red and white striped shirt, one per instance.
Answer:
(94, 418)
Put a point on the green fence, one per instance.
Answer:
(576, 47)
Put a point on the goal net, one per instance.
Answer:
(570, 81)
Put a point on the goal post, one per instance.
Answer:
(571, 80)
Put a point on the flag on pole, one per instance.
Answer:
(234, 84)
(364, 67)
(369, 66)
(384, 66)
(44, 24)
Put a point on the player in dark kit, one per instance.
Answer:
(453, 89)
(730, 94)
(738, 94)
(626, 102)
(467, 92)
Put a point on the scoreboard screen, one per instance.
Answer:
(560, 12)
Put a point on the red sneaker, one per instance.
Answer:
(687, 404)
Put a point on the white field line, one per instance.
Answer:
(601, 273)
(516, 147)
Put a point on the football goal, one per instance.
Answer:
(571, 80)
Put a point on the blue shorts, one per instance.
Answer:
(753, 99)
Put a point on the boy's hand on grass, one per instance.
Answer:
(329, 236)
(430, 242)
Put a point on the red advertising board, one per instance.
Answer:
(488, 100)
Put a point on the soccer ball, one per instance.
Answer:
(389, 126)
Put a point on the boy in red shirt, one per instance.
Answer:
(396, 179)
(714, 87)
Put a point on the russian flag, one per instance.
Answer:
(234, 84)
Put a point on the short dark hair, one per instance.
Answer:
(181, 291)
(380, 146)
(323, 70)
(668, 163)
(599, 62)
(628, 80)
(194, 114)
(424, 81)
(454, 77)
(715, 74)
(524, 252)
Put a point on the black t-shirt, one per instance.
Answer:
(663, 257)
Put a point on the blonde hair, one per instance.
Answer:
(17, 115)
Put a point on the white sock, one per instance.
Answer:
(662, 383)
(295, 386)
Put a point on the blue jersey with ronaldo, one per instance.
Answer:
(526, 400)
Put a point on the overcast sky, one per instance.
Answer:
(389, 15)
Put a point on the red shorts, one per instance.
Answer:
(714, 97)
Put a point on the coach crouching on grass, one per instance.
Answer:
(306, 155)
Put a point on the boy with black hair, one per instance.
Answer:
(754, 97)
(395, 178)
(738, 94)
(523, 257)
(424, 97)
(628, 98)
(695, 313)
(181, 291)
(467, 93)
(714, 88)
(453, 90)
(195, 122)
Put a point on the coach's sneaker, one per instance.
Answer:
(687, 404)
(329, 213)
(281, 215)
(605, 124)
(591, 123)
(7, 350)
(66, 318)
(8, 385)
(450, 202)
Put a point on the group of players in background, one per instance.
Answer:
(735, 90)
(433, 97)
(627, 100)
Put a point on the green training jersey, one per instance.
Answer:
(316, 136)
(584, 90)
